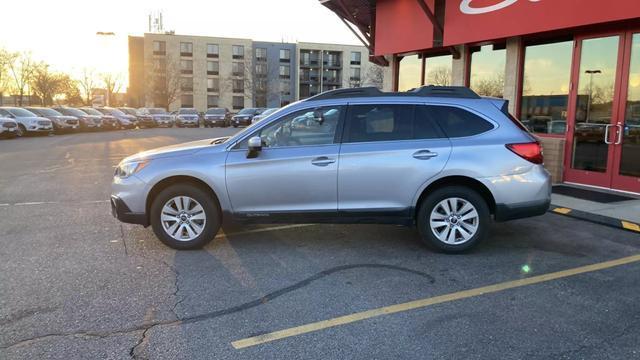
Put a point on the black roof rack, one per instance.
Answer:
(424, 91)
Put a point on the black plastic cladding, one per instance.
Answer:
(424, 91)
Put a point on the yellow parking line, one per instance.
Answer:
(563, 211)
(417, 304)
(630, 226)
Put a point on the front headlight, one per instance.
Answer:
(124, 170)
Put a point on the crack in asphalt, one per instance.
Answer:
(124, 241)
(145, 328)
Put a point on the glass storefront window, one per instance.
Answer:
(438, 70)
(545, 87)
(410, 73)
(630, 161)
(487, 71)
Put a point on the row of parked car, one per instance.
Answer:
(20, 121)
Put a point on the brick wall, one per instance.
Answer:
(553, 157)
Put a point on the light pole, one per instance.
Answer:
(591, 73)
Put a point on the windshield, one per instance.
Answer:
(157, 111)
(129, 111)
(217, 111)
(71, 112)
(91, 111)
(45, 112)
(188, 111)
(115, 112)
(21, 112)
(247, 111)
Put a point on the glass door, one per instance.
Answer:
(594, 108)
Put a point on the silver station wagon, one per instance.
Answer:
(442, 159)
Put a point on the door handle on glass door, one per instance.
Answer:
(322, 161)
(620, 130)
(424, 154)
(606, 135)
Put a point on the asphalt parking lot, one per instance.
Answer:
(77, 284)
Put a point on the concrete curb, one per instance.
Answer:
(595, 218)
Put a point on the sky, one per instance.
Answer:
(63, 32)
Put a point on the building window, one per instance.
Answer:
(159, 48)
(410, 73)
(309, 58)
(285, 87)
(354, 77)
(238, 51)
(186, 49)
(261, 54)
(285, 55)
(213, 101)
(186, 67)
(545, 87)
(213, 68)
(238, 86)
(261, 69)
(160, 65)
(186, 100)
(237, 69)
(438, 70)
(186, 84)
(213, 85)
(238, 102)
(213, 51)
(487, 71)
(356, 57)
(331, 59)
(285, 72)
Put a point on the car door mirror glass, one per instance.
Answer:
(254, 146)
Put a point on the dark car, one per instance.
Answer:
(87, 122)
(125, 121)
(61, 123)
(159, 115)
(108, 122)
(245, 116)
(187, 117)
(217, 117)
(144, 120)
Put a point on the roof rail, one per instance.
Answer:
(424, 91)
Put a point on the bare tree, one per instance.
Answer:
(493, 86)
(374, 76)
(163, 83)
(22, 68)
(45, 84)
(241, 79)
(6, 58)
(70, 92)
(87, 82)
(439, 76)
(112, 84)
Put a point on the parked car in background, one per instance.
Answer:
(264, 114)
(28, 122)
(187, 117)
(244, 116)
(108, 122)
(61, 123)
(87, 122)
(126, 121)
(217, 117)
(8, 128)
(159, 115)
(143, 120)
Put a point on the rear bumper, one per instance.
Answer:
(121, 211)
(522, 210)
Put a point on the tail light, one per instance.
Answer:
(529, 151)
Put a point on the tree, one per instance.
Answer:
(439, 76)
(374, 76)
(163, 83)
(112, 84)
(22, 68)
(493, 86)
(242, 76)
(6, 58)
(87, 83)
(45, 84)
(70, 91)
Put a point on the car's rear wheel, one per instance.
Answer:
(453, 219)
(184, 216)
(22, 131)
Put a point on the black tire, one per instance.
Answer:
(432, 200)
(22, 131)
(235, 126)
(211, 210)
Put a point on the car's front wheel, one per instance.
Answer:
(453, 219)
(184, 217)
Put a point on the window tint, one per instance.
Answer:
(456, 122)
(424, 126)
(380, 123)
(302, 128)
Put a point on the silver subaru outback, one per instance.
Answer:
(442, 159)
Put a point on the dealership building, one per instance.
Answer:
(569, 68)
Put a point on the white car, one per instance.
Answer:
(28, 122)
(263, 115)
(8, 128)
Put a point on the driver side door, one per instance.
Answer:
(294, 176)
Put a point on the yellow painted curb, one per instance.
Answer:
(563, 211)
(631, 226)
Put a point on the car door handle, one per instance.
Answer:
(322, 161)
(424, 154)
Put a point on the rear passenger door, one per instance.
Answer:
(388, 152)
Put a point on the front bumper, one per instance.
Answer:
(241, 122)
(121, 211)
(215, 122)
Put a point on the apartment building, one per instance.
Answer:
(173, 71)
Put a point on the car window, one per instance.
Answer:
(302, 128)
(424, 125)
(380, 122)
(457, 122)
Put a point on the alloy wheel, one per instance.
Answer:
(183, 218)
(454, 221)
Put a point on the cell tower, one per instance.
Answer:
(155, 22)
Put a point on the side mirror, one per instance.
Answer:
(254, 147)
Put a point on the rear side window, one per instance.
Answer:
(456, 122)
(385, 122)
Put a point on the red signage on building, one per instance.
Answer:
(402, 27)
(469, 21)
